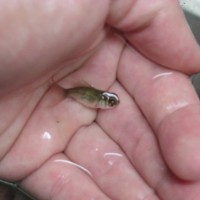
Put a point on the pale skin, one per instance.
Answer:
(147, 147)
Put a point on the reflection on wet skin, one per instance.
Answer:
(73, 164)
(162, 74)
(112, 157)
(46, 135)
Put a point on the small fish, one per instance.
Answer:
(93, 98)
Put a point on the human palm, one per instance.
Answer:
(58, 148)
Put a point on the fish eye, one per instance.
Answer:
(111, 102)
(110, 99)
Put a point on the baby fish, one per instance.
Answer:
(93, 98)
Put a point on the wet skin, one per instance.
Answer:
(146, 147)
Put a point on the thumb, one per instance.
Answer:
(158, 29)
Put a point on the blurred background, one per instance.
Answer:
(192, 13)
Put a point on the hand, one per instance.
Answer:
(146, 148)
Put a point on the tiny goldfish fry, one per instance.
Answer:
(92, 97)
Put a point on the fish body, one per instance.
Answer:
(93, 98)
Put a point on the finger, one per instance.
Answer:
(109, 167)
(134, 135)
(171, 106)
(159, 30)
(47, 132)
(60, 179)
(172, 188)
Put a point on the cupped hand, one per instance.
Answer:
(145, 148)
